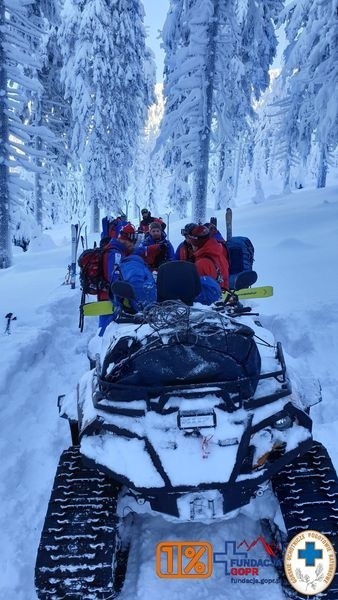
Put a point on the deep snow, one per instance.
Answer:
(295, 238)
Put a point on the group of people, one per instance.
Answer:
(149, 241)
(203, 245)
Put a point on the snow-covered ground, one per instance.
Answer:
(295, 239)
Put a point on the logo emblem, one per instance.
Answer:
(310, 562)
(184, 560)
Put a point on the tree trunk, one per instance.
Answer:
(238, 161)
(301, 174)
(220, 174)
(272, 158)
(322, 167)
(179, 193)
(5, 229)
(38, 186)
(259, 197)
(201, 169)
(223, 196)
(287, 168)
(95, 215)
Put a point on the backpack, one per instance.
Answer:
(133, 269)
(210, 292)
(112, 227)
(241, 254)
(92, 279)
(138, 368)
(108, 228)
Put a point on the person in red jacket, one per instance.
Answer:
(156, 248)
(147, 218)
(209, 255)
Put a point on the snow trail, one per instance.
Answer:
(35, 437)
(46, 355)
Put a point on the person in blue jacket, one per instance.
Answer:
(156, 248)
(112, 227)
(118, 249)
(115, 250)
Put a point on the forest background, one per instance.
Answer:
(86, 131)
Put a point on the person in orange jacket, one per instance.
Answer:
(210, 256)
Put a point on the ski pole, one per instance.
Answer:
(228, 223)
(10, 317)
(68, 275)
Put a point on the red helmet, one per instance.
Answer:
(198, 235)
(128, 232)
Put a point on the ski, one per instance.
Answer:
(228, 223)
(105, 307)
(76, 235)
(263, 291)
(86, 237)
(95, 309)
(74, 229)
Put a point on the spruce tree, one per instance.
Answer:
(310, 75)
(105, 76)
(20, 39)
(217, 61)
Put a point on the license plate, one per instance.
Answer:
(196, 420)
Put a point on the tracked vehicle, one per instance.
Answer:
(190, 413)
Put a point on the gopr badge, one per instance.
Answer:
(310, 562)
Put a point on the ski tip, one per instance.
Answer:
(264, 291)
(95, 309)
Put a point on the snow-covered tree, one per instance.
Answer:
(148, 176)
(52, 110)
(190, 38)
(19, 49)
(5, 239)
(218, 56)
(109, 84)
(310, 73)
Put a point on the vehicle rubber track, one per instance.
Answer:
(307, 491)
(79, 545)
